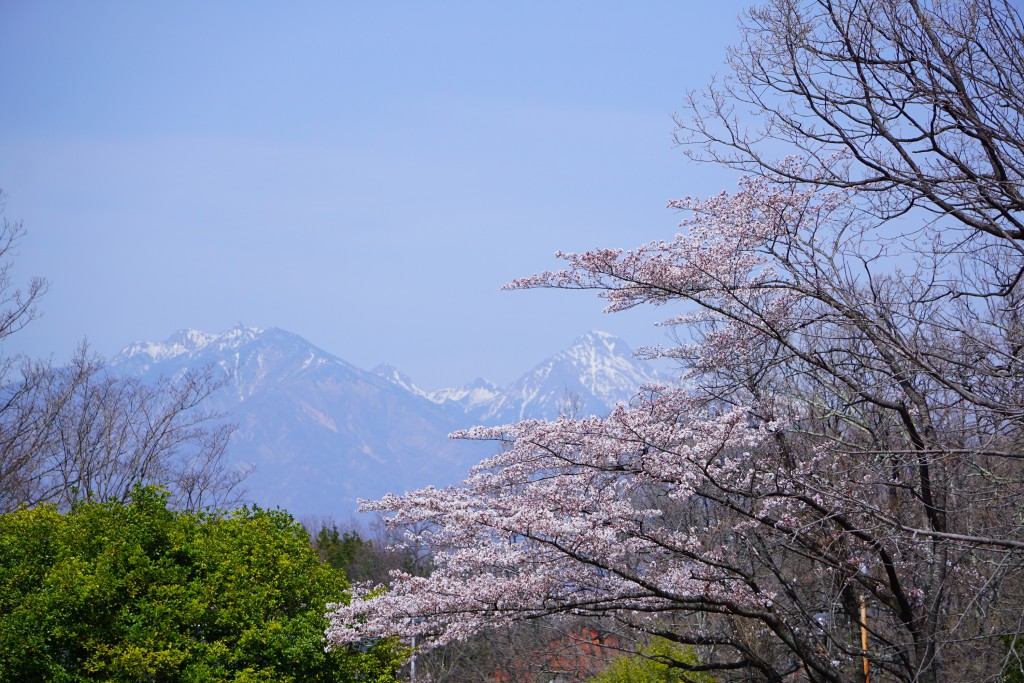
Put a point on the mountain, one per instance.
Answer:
(322, 432)
(589, 378)
(473, 398)
(597, 372)
(319, 431)
(396, 376)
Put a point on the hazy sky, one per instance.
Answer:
(366, 174)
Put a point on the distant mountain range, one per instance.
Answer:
(322, 433)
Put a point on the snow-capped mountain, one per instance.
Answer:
(396, 376)
(597, 372)
(322, 432)
(141, 356)
(319, 431)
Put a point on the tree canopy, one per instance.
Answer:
(652, 664)
(135, 591)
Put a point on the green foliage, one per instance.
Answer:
(340, 550)
(1013, 663)
(137, 592)
(654, 664)
(363, 559)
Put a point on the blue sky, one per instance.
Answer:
(366, 175)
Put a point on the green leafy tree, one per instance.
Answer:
(368, 559)
(340, 549)
(138, 592)
(1013, 663)
(659, 662)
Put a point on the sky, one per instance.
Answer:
(366, 175)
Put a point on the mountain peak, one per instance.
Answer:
(596, 354)
(239, 332)
(598, 371)
(321, 431)
(396, 376)
(477, 393)
(183, 341)
(187, 341)
(597, 335)
(601, 340)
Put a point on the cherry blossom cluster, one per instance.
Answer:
(720, 258)
(555, 523)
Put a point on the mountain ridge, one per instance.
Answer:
(322, 432)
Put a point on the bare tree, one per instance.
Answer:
(17, 306)
(925, 97)
(78, 431)
(21, 405)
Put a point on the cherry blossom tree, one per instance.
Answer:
(833, 489)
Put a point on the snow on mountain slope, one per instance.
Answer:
(321, 432)
(182, 342)
(396, 376)
(470, 398)
(589, 378)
